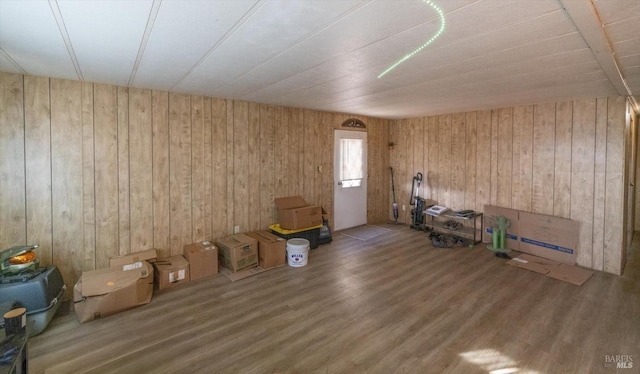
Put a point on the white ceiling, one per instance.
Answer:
(327, 54)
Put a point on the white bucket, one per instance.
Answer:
(297, 252)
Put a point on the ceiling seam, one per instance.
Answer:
(587, 20)
(12, 61)
(153, 14)
(55, 9)
(246, 17)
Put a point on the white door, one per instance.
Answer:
(350, 179)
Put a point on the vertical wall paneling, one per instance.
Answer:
(88, 179)
(37, 123)
(219, 175)
(516, 149)
(180, 171)
(197, 169)
(458, 160)
(253, 156)
(267, 165)
(417, 125)
(614, 187)
(231, 176)
(293, 120)
(483, 159)
(630, 172)
(410, 141)
(106, 172)
(281, 157)
(543, 158)
(208, 170)
(309, 163)
(124, 218)
(13, 230)
(600, 170)
(494, 156)
(504, 162)
(433, 178)
(470, 161)
(141, 161)
(425, 137)
(378, 185)
(446, 154)
(66, 172)
(160, 171)
(583, 175)
(95, 170)
(241, 165)
(523, 153)
(403, 177)
(562, 172)
(326, 147)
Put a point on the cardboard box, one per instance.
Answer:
(272, 249)
(202, 258)
(238, 252)
(171, 271)
(550, 237)
(100, 293)
(512, 236)
(133, 260)
(552, 269)
(294, 213)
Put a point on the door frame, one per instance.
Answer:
(337, 203)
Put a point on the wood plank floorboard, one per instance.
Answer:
(390, 304)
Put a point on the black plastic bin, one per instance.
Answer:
(312, 234)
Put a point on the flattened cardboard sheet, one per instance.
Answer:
(553, 269)
(570, 274)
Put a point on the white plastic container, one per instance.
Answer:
(297, 252)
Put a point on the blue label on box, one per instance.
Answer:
(547, 245)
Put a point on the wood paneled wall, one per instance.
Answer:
(91, 171)
(565, 159)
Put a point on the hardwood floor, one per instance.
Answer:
(387, 305)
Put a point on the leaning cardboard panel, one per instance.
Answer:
(550, 237)
(100, 293)
(294, 213)
(512, 235)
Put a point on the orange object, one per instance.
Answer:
(23, 258)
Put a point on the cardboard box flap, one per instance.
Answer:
(104, 281)
(236, 240)
(552, 269)
(132, 258)
(266, 236)
(171, 263)
(570, 274)
(537, 264)
(199, 246)
(290, 202)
